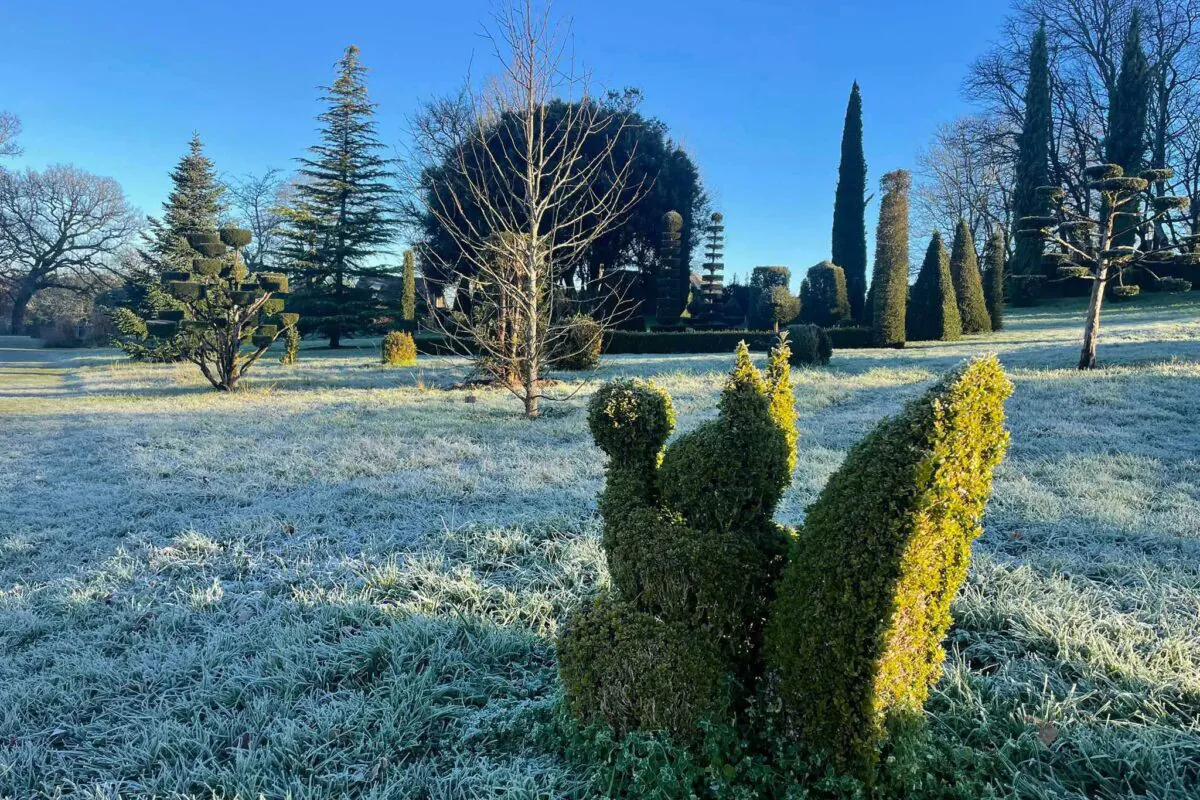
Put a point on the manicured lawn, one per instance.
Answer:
(345, 580)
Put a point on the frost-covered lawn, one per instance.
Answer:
(345, 580)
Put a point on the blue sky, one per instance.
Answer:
(755, 89)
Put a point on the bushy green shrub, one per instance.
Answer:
(578, 343)
(856, 629)
(810, 344)
(778, 306)
(399, 349)
(291, 346)
(823, 299)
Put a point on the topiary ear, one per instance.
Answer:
(745, 393)
(631, 419)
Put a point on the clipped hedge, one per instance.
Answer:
(856, 629)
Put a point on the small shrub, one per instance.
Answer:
(291, 346)
(1126, 292)
(1174, 285)
(399, 349)
(578, 348)
(856, 629)
(810, 344)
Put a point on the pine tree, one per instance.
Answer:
(1033, 166)
(1125, 144)
(933, 309)
(993, 280)
(968, 283)
(889, 279)
(341, 221)
(408, 299)
(850, 208)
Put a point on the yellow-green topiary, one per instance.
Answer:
(399, 349)
(856, 628)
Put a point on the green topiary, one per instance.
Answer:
(1170, 284)
(810, 344)
(968, 282)
(933, 307)
(398, 349)
(855, 632)
(291, 345)
(576, 344)
(825, 302)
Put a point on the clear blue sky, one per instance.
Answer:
(755, 89)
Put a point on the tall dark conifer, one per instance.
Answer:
(993, 280)
(850, 208)
(341, 224)
(1125, 142)
(933, 308)
(1033, 170)
(968, 283)
(889, 280)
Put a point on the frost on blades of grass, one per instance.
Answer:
(345, 580)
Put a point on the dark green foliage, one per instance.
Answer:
(850, 337)
(1033, 171)
(398, 349)
(291, 345)
(713, 278)
(342, 216)
(889, 279)
(993, 280)
(933, 308)
(968, 283)
(1170, 284)
(856, 630)
(766, 277)
(778, 306)
(692, 552)
(810, 344)
(823, 297)
(408, 296)
(1126, 292)
(577, 344)
(850, 208)
(1125, 142)
(671, 299)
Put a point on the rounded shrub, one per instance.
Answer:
(235, 237)
(578, 344)
(810, 345)
(824, 300)
(399, 349)
(631, 420)
(856, 627)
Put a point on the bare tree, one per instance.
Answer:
(551, 206)
(257, 203)
(59, 229)
(10, 129)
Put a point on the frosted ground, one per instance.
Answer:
(345, 580)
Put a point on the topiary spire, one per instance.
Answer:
(933, 308)
(849, 249)
(968, 283)
(889, 281)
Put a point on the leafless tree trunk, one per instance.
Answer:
(549, 209)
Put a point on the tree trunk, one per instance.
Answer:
(1091, 328)
(20, 304)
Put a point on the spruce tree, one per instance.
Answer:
(1125, 143)
(1033, 166)
(341, 221)
(408, 298)
(933, 309)
(968, 283)
(993, 280)
(850, 208)
(889, 279)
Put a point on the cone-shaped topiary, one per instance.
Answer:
(933, 308)
(399, 349)
(855, 632)
(968, 283)
(692, 552)
(825, 301)
(993, 280)
(889, 280)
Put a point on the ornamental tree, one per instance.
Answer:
(1103, 242)
(227, 317)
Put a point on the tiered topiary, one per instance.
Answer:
(692, 551)
(669, 280)
(855, 634)
(713, 279)
(398, 349)
(578, 344)
(933, 307)
(810, 344)
(222, 308)
(824, 300)
(968, 282)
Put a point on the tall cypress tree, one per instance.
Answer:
(408, 296)
(968, 283)
(993, 280)
(889, 279)
(341, 221)
(850, 208)
(933, 310)
(1125, 142)
(1033, 170)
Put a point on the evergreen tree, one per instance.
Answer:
(408, 298)
(850, 208)
(823, 297)
(670, 302)
(968, 283)
(933, 309)
(1033, 166)
(993, 280)
(889, 279)
(340, 222)
(1125, 144)
(714, 268)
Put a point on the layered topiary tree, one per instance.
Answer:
(692, 551)
(933, 307)
(889, 280)
(856, 630)
(670, 302)
(968, 282)
(824, 300)
(223, 310)
(713, 278)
